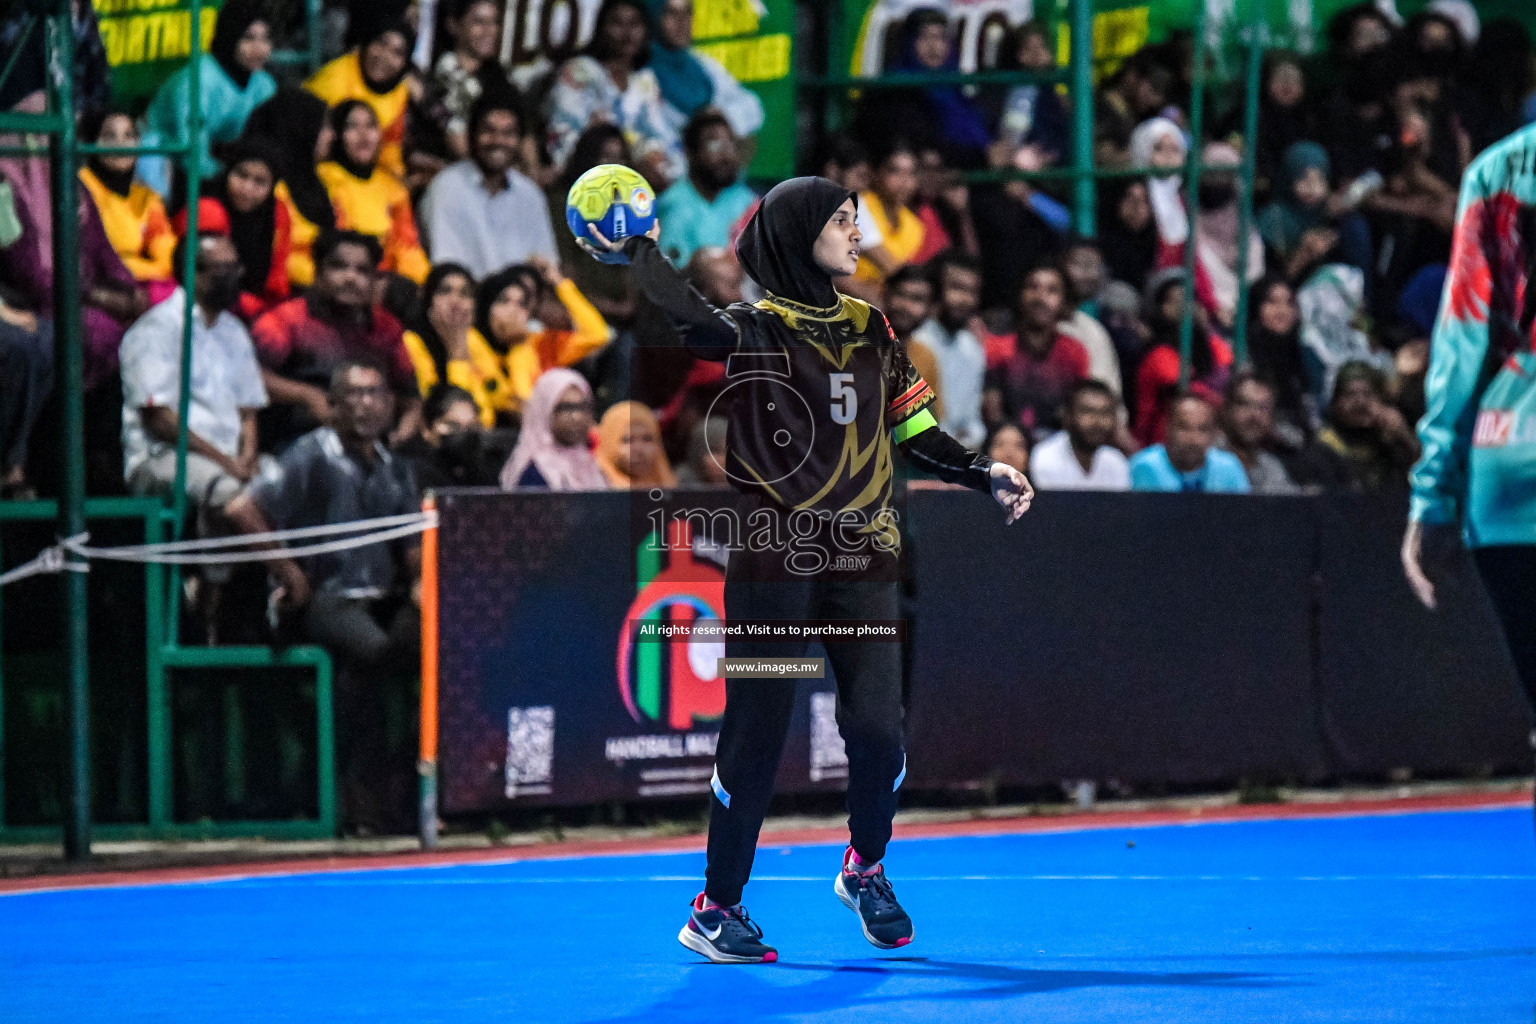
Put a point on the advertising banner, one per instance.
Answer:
(146, 40)
(550, 694)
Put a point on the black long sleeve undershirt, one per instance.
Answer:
(711, 333)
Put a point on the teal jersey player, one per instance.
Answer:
(1479, 427)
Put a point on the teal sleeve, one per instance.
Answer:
(1458, 351)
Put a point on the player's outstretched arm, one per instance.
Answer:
(708, 332)
(936, 452)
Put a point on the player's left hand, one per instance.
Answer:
(1011, 489)
(600, 243)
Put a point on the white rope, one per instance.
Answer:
(178, 547)
(49, 560)
(209, 551)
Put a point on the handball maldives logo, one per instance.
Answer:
(673, 680)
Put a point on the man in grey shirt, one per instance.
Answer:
(362, 604)
(953, 339)
(482, 212)
(1248, 422)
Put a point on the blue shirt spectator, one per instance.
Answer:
(1188, 460)
(699, 211)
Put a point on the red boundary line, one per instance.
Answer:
(789, 837)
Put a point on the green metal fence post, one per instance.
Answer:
(1192, 192)
(188, 276)
(156, 693)
(1084, 185)
(69, 362)
(1256, 32)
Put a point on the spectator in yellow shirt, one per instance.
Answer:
(444, 345)
(366, 197)
(893, 234)
(505, 305)
(131, 212)
(374, 71)
(296, 122)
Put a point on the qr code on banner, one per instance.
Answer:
(828, 758)
(530, 751)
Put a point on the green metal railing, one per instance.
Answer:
(55, 19)
(1084, 175)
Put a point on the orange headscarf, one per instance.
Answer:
(616, 422)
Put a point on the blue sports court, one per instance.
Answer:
(1407, 917)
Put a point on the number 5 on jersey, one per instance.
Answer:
(845, 400)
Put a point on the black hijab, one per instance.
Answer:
(369, 21)
(1128, 255)
(775, 248)
(251, 232)
(235, 17)
(292, 119)
(339, 114)
(91, 124)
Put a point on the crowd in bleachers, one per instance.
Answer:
(384, 280)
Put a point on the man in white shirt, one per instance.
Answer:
(1080, 457)
(953, 338)
(482, 213)
(226, 387)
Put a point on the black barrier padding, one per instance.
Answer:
(1400, 686)
(1142, 638)
(534, 591)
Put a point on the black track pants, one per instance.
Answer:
(1509, 576)
(757, 714)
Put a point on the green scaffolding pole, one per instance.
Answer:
(178, 509)
(69, 363)
(1257, 31)
(1192, 170)
(1084, 183)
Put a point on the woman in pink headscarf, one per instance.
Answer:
(552, 449)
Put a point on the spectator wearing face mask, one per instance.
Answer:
(1188, 460)
(1218, 245)
(226, 389)
(447, 451)
(701, 209)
